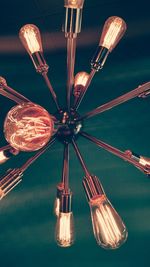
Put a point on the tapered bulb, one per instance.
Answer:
(60, 188)
(109, 229)
(144, 161)
(31, 39)
(74, 3)
(113, 30)
(80, 81)
(3, 157)
(65, 229)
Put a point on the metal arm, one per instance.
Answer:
(65, 171)
(48, 83)
(117, 152)
(80, 158)
(37, 155)
(141, 91)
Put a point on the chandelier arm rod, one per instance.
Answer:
(38, 154)
(16, 97)
(3, 148)
(114, 151)
(79, 156)
(82, 94)
(140, 91)
(71, 53)
(49, 85)
(65, 171)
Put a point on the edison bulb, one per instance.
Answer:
(113, 30)
(28, 127)
(65, 229)
(74, 3)
(109, 229)
(31, 39)
(80, 81)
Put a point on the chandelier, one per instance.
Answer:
(29, 127)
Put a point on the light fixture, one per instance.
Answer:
(29, 127)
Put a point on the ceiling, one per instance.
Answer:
(27, 222)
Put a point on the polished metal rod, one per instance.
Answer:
(82, 94)
(71, 52)
(140, 91)
(80, 158)
(38, 154)
(115, 151)
(48, 83)
(12, 94)
(65, 171)
(3, 148)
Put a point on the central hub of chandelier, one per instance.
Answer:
(69, 127)
(29, 127)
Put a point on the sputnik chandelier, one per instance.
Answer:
(29, 127)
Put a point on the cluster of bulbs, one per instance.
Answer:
(29, 127)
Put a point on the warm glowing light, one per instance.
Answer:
(81, 78)
(31, 39)
(28, 127)
(113, 30)
(74, 3)
(109, 229)
(3, 158)
(144, 161)
(65, 229)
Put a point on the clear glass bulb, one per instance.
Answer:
(74, 3)
(3, 158)
(113, 30)
(144, 161)
(56, 206)
(81, 78)
(31, 39)
(109, 229)
(65, 229)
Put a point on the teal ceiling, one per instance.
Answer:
(27, 222)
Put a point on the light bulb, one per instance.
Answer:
(65, 229)
(113, 30)
(80, 81)
(6, 154)
(2, 82)
(109, 229)
(28, 127)
(60, 188)
(64, 233)
(74, 3)
(31, 39)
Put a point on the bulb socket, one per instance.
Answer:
(66, 202)
(60, 189)
(99, 58)
(92, 187)
(72, 23)
(9, 181)
(135, 157)
(39, 62)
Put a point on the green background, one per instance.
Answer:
(27, 222)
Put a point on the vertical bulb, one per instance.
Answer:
(31, 39)
(74, 3)
(109, 229)
(113, 30)
(80, 81)
(65, 229)
(60, 188)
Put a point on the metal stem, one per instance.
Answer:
(113, 150)
(145, 88)
(79, 100)
(71, 52)
(65, 171)
(12, 94)
(3, 148)
(80, 158)
(38, 154)
(48, 83)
